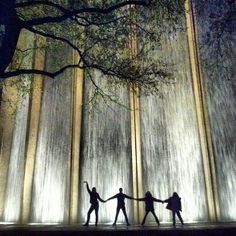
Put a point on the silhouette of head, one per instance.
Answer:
(175, 194)
(148, 194)
(94, 189)
(121, 190)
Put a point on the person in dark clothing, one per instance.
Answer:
(174, 204)
(149, 206)
(94, 197)
(120, 204)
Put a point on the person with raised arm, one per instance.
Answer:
(120, 204)
(94, 197)
(149, 206)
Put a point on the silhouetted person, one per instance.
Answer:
(174, 204)
(120, 204)
(94, 197)
(149, 206)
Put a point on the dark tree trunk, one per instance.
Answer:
(11, 31)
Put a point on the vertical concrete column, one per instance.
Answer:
(138, 158)
(76, 136)
(33, 127)
(134, 155)
(203, 124)
(135, 131)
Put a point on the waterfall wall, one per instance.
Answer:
(105, 158)
(171, 151)
(15, 178)
(50, 199)
(217, 56)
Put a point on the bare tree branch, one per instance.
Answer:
(38, 72)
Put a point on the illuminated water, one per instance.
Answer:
(50, 202)
(218, 64)
(170, 146)
(106, 155)
(15, 178)
(171, 149)
(16, 165)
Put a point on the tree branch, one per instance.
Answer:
(89, 23)
(37, 72)
(49, 19)
(56, 38)
(104, 70)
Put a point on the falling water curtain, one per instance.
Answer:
(171, 146)
(216, 32)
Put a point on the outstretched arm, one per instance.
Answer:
(99, 198)
(157, 200)
(139, 199)
(115, 196)
(167, 200)
(87, 186)
(126, 196)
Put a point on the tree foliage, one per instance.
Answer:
(217, 36)
(113, 37)
(109, 36)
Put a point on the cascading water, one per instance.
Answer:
(171, 152)
(105, 160)
(50, 200)
(170, 146)
(15, 178)
(16, 165)
(218, 63)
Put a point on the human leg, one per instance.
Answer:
(96, 215)
(173, 214)
(180, 218)
(117, 213)
(88, 215)
(126, 217)
(155, 216)
(144, 219)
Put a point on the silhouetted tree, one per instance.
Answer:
(101, 32)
